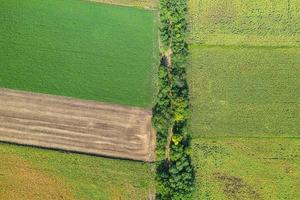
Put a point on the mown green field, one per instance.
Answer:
(244, 84)
(247, 168)
(245, 91)
(247, 22)
(245, 122)
(80, 49)
(30, 173)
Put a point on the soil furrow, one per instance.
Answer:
(76, 136)
(76, 125)
(55, 140)
(81, 130)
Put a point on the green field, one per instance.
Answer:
(247, 168)
(247, 22)
(245, 122)
(244, 82)
(80, 49)
(30, 173)
(245, 91)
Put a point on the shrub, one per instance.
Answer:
(175, 174)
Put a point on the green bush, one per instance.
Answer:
(175, 174)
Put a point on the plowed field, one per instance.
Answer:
(76, 125)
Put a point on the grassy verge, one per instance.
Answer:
(247, 168)
(80, 49)
(244, 91)
(56, 175)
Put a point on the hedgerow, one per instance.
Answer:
(175, 173)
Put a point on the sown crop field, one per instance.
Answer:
(247, 168)
(80, 49)
(247, 22)
(244, 83)
(29, 173)
(245, 122)
(245, 91)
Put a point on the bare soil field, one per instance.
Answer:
(76, 125)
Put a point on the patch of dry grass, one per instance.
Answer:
(19, 180)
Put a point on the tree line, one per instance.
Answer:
(175, 174)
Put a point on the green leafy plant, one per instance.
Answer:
(175, 173)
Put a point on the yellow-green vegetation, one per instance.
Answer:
(244, 83)
(245, 91)
(175, 176)
(30, 173)
(80, 49)
(19, 180)
(245, 121)
(247, 168)
(147, 4)
(247, 22)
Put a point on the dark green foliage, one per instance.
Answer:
(176, 182)
(175, 173)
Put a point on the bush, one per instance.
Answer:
(175, 174)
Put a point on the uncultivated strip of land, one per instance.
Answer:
(76, 125)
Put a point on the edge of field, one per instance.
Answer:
(78, 176)
(146, 4)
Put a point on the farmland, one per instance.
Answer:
(244, 82)
(240, 108)
(80, 49)
(245, 22)
(245, 114)
(84, 50)
(30, 173)
(76, 125)
(247, 168)
(252, 91)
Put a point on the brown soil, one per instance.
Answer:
(19, 181)
(76, 125)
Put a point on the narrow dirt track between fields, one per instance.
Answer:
(76, 125)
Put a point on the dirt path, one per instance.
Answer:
(76, 125)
